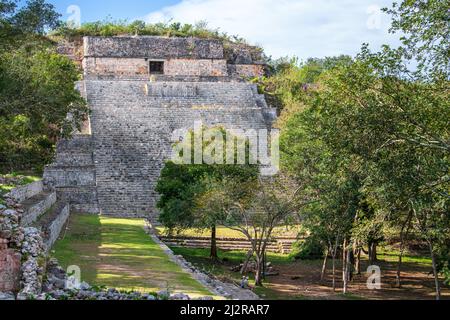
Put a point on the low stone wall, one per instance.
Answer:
(226, 290)
(34, 211)
(22, 193)
(54, 224)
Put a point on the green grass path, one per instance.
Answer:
(117, 253)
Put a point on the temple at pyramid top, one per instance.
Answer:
(166, 59)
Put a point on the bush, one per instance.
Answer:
(307, 249)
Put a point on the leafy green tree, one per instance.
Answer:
(37, 87)
(379, 129)
(254, 208)
(181, 185)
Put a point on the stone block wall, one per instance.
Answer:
(246, 71)
(198, 68)
(52, 225)
(36, 206)
(116, 67)
(138, 68)
(19, 194)
(72, 174)
(128, 58)
(152, 47)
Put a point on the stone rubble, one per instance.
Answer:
(26, 242)
(227, 290)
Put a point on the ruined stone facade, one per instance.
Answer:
(140, 90)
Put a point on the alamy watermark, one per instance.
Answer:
(227, 146)
(74, 19)
(73, 281)
(374, 278)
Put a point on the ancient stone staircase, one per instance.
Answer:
(278, 245)
(72, 174)
(41, 210)
(132, 124)
(114, 170)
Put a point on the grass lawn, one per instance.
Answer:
(117, 253)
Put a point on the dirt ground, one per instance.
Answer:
(301, 280)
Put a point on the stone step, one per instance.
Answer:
(62, 176)
(82, 199)
(52, 222)
(36, 206)
(285, 249)
(22, 193)
(278, 245)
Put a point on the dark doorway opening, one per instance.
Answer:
(156, 67)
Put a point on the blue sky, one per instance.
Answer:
(304, 28)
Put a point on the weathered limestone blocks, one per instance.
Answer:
(152, 47)
(138, 68)
(23, 247)
(82, 199)
(19, 194)
(246, 71)
(128, 58)
(52, 224)
(198, 68)
(36, 206)
(73, 174)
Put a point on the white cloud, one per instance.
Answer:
(305, 28)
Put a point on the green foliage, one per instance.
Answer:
(426, 34)
(122, 27)
(37, 88)
(370, 137)
(310, 248)
(291, 79)
(181, 185)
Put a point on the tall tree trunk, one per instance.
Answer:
(435, 273)
(334, 262)
(372, 252)
(344, 266)
(403, 234)
(258, 273)
(324, 266)
(358, 261)
(213, 253)
(350, 263)
(247, 261)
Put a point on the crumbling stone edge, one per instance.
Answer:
(228, 291)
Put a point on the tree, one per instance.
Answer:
(180, 186)
(37, 87)
(381, 129)
(254, 208)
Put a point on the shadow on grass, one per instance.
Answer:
(118, 253)
(80, 245)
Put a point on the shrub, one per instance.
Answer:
(308, 249)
